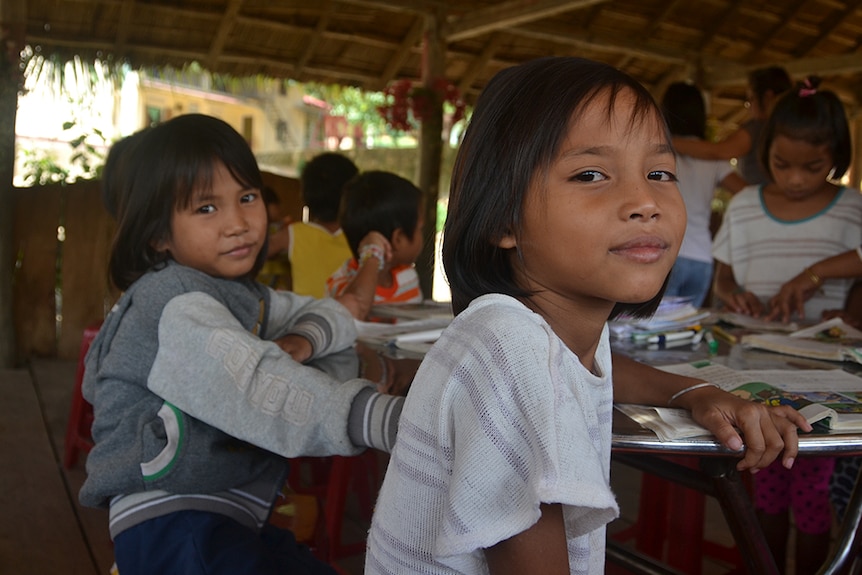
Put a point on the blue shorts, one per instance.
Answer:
(199, 543)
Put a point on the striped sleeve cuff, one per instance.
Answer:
(373, 419)
(316, 330)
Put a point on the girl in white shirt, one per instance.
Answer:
(563, 213)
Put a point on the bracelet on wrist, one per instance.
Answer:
(369, 251)
(682, 392)
(815, 279)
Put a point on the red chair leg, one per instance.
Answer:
(78, 433)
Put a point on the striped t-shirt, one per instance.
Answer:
(404, 288)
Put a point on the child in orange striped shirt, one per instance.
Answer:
(381, 217)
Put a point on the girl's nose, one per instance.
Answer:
(236, 222)
(641, 202)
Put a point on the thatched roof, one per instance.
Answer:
(369, 43)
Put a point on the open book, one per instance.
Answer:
(828, 398)
(831, 340)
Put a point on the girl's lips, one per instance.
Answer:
(643, 250)
(240, 251)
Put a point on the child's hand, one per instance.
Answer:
(296, 347)
(769, 432)
(791, 298)
(379, 240)
(744, 302)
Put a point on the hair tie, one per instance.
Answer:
(807, 89)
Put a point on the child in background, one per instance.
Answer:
(316, 248)
(115, 169)
(770, 234)
(764, 86)
(381, 215)
(196, 377)
(685, 112)
(563, 213)
(275, 272)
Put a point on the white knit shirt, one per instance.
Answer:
(500, 418)
(765, 252)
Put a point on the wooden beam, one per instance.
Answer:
(660, 19)
(13, 26)
(423, 7)
(124, 24)
(728, 74)
(480, 62)
(795, 8)
(562, 34)
(408, 44)
(728, 15)
(314, 41)
(510, 14)
(431, 147)
(827, 28)
(228, 21)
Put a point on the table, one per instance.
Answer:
(717, 476)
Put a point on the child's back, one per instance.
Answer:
(381, 217)
(317, 247)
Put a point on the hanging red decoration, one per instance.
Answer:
(409, 103)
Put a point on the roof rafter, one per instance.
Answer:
(510, 14)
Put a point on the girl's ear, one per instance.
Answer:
(507, 242)
(161, 246)
(398, 236)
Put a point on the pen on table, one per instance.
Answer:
(672, 343)
(710, 341)
(723, 334)
(663, 338)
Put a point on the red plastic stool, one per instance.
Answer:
(329, 481)
(78, 435)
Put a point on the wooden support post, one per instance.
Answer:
(430, 147)
(13, 19)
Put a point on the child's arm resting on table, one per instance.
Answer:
(767, 430)
(213, 369)
(539, 549)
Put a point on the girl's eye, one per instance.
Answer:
(249, 197)
(662, 176)
(205, 209)
(589, 176)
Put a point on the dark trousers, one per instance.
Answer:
(201, 543)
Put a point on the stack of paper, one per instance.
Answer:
(832, 340)
(673, 314)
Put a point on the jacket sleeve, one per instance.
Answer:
(326, 323)
(211, 368)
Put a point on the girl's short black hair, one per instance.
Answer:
(773, 79)
(518, 125)
(378, 201)
(168, 162)
(813, 116)
(684, 110)
(322, 181)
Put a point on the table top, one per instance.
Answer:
(630, 436)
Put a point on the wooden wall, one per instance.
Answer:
(76, 267)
